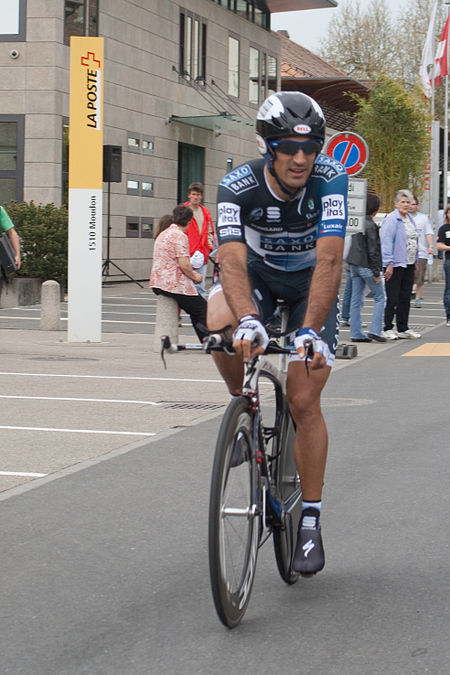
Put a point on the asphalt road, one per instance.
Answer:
(105, 570)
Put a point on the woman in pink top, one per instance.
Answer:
(172, 273)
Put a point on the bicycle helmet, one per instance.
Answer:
(288, 113)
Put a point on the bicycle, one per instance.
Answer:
(255, 488)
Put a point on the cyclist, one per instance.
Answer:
(281, 227)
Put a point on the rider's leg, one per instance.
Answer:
(311, 442)
(220, 315)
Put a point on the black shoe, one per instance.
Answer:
(367, 339)
(377, 338)
(309, 556)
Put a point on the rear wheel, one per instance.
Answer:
(288, 491)
(234, 514)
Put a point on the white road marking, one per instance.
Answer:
(115, 377)
(63, 318)
(23, 473)
(90, 400)
(81, 431)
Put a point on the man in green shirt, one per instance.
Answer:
(6, 225)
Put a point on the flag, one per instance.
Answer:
(440, 61)
(427, 54)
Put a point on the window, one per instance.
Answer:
(147, 188)
(262, 75)
(80, 18)
(12, 24)
(141, 186)
(192, 54)
(233, 66)
(146, 228)
(242, 8)
(248, 9)
(139, 227)
(140, 143)
(11, 157)
(132, 227)
(253, 83)
(272, 75)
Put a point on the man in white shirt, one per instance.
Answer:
(425, 232)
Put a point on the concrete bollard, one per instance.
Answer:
(166, 320)
(50, 306)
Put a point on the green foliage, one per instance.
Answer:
(43, 233)
(393, 123)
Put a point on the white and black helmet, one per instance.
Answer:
(288, 113)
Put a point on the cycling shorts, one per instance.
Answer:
(270, 285)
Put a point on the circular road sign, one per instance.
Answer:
(350, 150)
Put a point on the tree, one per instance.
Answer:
(369, 43)
(393, 123)
(360, 42)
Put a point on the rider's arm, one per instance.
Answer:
(325, 281)
(234, 278)
(322, 294)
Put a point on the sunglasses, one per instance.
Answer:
(292, 147)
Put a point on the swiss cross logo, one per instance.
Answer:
(90, 60)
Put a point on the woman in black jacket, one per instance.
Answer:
(366, 267)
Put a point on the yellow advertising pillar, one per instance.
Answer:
(85, 189)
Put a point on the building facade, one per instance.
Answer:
(183, 82)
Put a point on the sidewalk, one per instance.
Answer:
(68, 403)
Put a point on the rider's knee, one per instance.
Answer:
(304, 410)
(218, 313)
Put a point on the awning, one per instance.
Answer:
(295, 5)
(212, 122)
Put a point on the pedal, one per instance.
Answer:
(346, 351)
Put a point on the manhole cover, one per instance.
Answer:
(192, 405)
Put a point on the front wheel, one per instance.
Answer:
(234, 514)
(288, 491)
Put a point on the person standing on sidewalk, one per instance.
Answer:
(443, 244)
(399, 250)
(6, 225)
(365, 262)
(425, 233)
(200, 233)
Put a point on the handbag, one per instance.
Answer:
(7, 257)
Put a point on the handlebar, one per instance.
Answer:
(216, 342)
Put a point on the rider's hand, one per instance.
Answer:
(250, 337)
(307, 341)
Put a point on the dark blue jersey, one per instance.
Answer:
(282, 233)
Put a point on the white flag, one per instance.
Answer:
(428, 55)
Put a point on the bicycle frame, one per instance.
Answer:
(271, 509)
